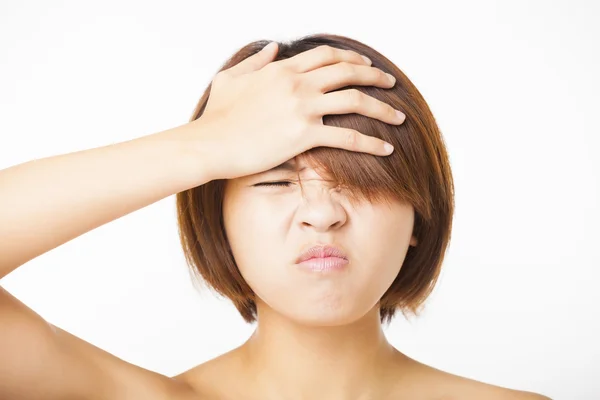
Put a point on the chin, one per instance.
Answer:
(323, 317)
(318, 311)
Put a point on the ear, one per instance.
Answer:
(413, 241)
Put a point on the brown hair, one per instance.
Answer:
(417, 172)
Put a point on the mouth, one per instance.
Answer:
(324, 264)
(323, 258)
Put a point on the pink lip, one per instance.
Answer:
(321, 251)
(322, 264)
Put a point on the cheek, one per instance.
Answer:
(250, 220)
(255, 236)
(384, 240)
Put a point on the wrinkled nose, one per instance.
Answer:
(321, 208)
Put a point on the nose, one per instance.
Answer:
(321, 209)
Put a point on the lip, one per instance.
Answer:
(324, 264)
(322, 253)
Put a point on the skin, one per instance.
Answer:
(330, 339)
(319, 336)
(324, 322)
(297, 343)
(313, 331)
(284, 220)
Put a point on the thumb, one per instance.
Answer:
(257, 60)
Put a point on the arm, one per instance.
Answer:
(258, 119)
(47, 202)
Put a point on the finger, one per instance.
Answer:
(345, 74)
(321, 56)
(255, 61)
(348, 139)
(354, 101)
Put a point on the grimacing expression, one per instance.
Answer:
(269, 226)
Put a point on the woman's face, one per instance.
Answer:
(269, 226)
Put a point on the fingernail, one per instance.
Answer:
(391, 77)
(368, 60)
(388, 148)
(401, 115)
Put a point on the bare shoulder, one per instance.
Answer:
(123, 379)
(492, 392)
(64, 366)
(212, 378)
(474, 389)
(442, 385)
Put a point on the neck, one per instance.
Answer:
(288, 360)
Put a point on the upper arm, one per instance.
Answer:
(41, 361)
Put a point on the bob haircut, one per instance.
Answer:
(417, 172)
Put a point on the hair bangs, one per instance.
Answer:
(399, 176)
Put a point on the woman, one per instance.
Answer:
(289, 204)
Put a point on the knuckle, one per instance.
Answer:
(326, 51)
(356, 97)
(351, 139)
(347, 69)
(354, 54)
(380, 106)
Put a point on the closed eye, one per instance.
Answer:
(281, 183)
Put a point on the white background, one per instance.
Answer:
(513, 85)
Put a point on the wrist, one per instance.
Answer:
(197, 151)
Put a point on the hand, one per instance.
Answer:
(261, 113)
